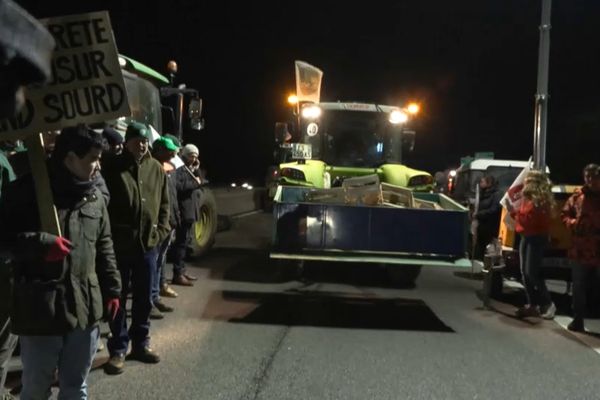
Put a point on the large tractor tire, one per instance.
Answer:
(204, 231)
(403, 276)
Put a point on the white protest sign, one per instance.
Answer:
(86, 85)
(513, 197)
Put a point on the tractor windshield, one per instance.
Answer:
(144, 100)
(354, 138)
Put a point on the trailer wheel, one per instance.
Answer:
(204, 231)
(403, 276)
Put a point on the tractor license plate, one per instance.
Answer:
(301, 151)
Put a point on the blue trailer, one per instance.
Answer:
(403, 237)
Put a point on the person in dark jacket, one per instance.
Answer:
(187, 183)
(139, 214)
(487, 215)
(163, 150)
(26, 49)
(63, 285)
(581, 215)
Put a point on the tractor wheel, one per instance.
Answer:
(204, 230)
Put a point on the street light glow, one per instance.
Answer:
(413, 108)
(292, 99)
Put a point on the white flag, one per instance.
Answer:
(514, 195)
(308, 82)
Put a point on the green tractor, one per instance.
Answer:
(329, 142)
(156, 101)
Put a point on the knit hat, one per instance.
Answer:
(189, 149)
(137, 129)
(112, 136)
(165, 142)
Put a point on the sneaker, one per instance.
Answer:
(549, 311)
(115, 365)
(145, 355)
(155, 313)
(576, 325)
(527, 311)
(167, 291)
(162, 307)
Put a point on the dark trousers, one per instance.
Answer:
(485, 234)
(159, 273)
(139, 269)
(531, 253)
(583, 277)
(182, 237)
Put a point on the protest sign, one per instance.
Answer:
(86, 85)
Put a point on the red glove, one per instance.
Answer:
(58, 249)
(112, 306)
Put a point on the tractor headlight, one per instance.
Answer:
(311, 112)
(398, 117)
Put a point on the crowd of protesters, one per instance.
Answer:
(118, 211)
(119, 216)
(533, 220)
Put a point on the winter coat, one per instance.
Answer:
(139, 204)
(489, 210)
(188, 195)
(581, 215)
(531, 220)
(53, 298)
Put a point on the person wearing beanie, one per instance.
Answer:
(188, 183)
(139, 215)
(114, 140)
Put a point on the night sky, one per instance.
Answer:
(471, 64)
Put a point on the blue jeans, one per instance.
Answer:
(531, 252)
(140, 268)
(72, 354)
(159, 278)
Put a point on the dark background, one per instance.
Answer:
(471, 64)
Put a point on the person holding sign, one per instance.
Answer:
(63, 285)
(139, 213)
(533, 223)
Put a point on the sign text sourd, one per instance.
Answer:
(87, 83)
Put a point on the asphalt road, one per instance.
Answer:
(247, 330)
